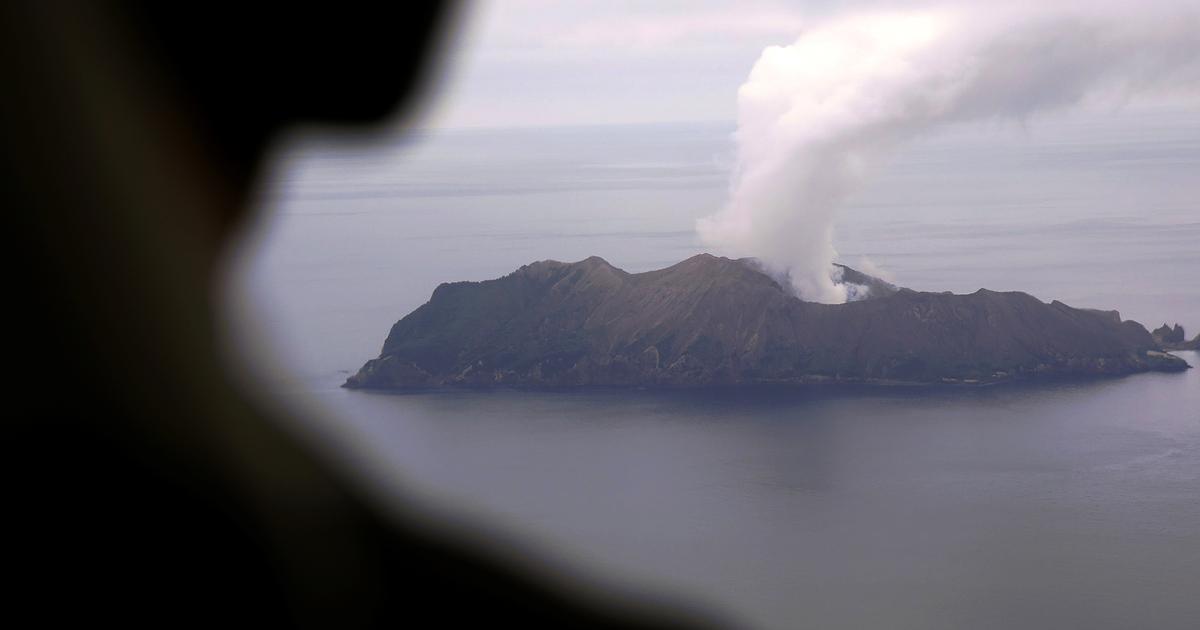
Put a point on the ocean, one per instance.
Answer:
(1059, 504)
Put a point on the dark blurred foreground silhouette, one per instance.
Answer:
(145, 487)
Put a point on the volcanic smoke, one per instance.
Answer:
(813, 116)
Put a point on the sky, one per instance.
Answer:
(516, 63)
(819, 90)
(521, 63)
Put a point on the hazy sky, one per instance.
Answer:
(549, 62)
(543, 62)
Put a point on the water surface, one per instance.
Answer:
(1070, 504)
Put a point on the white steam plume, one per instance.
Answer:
(813, 115)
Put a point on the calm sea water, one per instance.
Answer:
(1057, 505)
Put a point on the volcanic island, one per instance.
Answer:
(714, 321)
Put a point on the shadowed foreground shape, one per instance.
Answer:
(716, 321)
(152, 484)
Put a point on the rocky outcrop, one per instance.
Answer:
(1173, 338)
(716, 321)
(1166, 334)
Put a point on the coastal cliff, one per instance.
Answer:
(717, 321)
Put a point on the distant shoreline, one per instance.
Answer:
(825, 385)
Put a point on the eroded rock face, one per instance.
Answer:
(716, 321)
(1173, 338)
(1167, 334)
